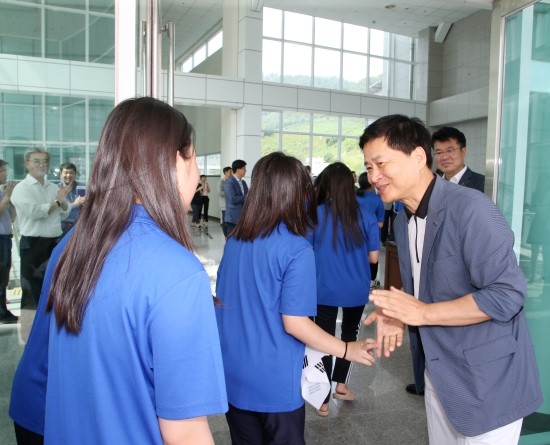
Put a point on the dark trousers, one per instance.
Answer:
(196, 206)
(384, 232)
(5, 266)
(224, 226)
(326, 319)
(35, 252)
(205, 205)
(418, 358)
(254, 428)
(27, 437)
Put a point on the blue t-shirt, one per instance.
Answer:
(28, 393)
(372, 202)
(257, 282)
(343, 276)
(148, 347)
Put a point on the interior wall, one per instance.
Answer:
(463, 60)
(466, 49)
(207, 124)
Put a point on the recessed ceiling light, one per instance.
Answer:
(389, 6)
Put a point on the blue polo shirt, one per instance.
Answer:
(257, 282)
(28, 393)
(343, 276)
(372, 202)
(148, 347)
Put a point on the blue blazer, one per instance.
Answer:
(234, 199)
(485, 374)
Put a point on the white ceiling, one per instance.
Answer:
(195, 18)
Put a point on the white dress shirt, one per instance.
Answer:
(32, 201)
(456, 178)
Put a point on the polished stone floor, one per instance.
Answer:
(382, 414)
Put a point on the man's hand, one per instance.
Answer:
(63, 192)
(397, 304)
(78, 201)
(389, 332)
(8, 189)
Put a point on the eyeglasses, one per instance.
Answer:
(39, 162)
(450, 151)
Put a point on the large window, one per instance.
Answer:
(68, 127)
(304, 50)
(315, 139)
(59, 30)
(213, 44)
(209, 165)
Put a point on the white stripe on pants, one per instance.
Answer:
(441, 431)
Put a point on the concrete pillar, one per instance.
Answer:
(242, 58)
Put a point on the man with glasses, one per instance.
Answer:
(40, 205)
(449, 146)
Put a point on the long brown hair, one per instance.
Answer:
(135, 162)
(334, 188)
(281, 192)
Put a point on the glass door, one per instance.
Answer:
(523, 185)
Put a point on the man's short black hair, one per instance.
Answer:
(68, 166)
(238, 163)
(225, 169)
(446, 133)
(401, 133)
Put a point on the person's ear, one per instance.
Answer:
(419, 155)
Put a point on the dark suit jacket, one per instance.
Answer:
(485, 374)
(234, 199)
(472, 180)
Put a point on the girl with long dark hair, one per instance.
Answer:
(266, 281)
(345, 241)
(133, 353)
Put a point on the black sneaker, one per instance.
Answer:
(8, 318)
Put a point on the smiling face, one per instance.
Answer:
(68, 175)
(449, 157)
(396, 175)
(38, 165)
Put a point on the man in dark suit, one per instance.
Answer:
(462, 288)
(235, 189)
(450, 150)
(449, 146)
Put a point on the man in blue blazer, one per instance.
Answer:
(450, 150)
(235, 189)
(462, 287)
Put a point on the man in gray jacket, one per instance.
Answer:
(462, 287)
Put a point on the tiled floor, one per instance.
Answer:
(382, 414)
